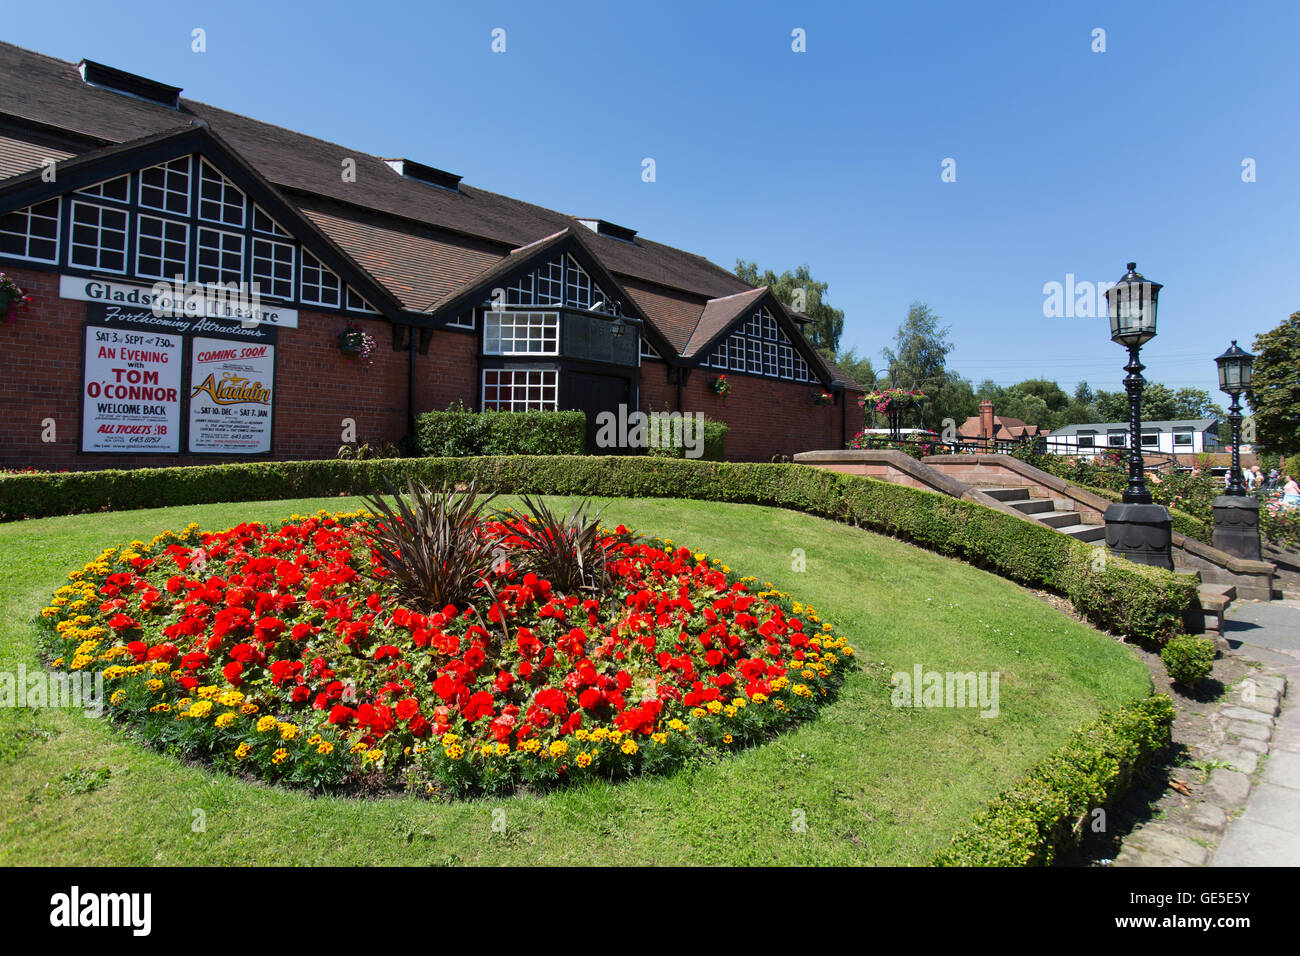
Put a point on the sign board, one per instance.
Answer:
(131, 390)
(165, 299)
(230, 396)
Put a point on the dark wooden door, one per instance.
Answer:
(593, 394)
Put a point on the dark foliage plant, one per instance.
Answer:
(429, 545)
(567, 549)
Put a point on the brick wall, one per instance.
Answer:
(316, 387)
(765, 418)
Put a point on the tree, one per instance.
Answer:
(920, 353)
(802, 292)
(1275, 388)
(856, 367)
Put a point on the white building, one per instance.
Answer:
(1188, 437)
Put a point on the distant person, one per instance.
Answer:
(1257, 478)
(1272, 479)
(1249, 477)
(1291, 493)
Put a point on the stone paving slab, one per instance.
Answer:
(1283, 769)
(1249, 843)
(1279, 807)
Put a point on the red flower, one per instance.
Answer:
(479, 705)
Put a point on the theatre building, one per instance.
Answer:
(138, 222)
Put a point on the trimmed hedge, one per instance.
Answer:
(715, 443)
(1136, 601)
(460, 433)
(1044, 814)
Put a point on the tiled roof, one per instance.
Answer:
(417, 265)
(421, 242)
(720, 313)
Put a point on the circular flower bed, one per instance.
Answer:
(281, 653)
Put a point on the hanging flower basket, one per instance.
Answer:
(720, 386)
(820, 397)
(358, 344)
(12, 297)
(891, 400)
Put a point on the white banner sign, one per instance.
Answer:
(131, 391)
(191, 299)
(231, 388)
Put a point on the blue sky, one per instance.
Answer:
(1067, 160)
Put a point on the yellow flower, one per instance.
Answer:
(266, 723)
(559, 748)
(698, 712)
(242, 751)
(727, 738)
(280, 756)
(314, 739)
(502, 749)
(659, 738)
(713, 706)
(200, 709)
(225, 720)
(802, 690)
(455, 751)
(117, 698)
(288, 731)
(760, 698)
(629, 747)
(375, 755)
(160, 708)
(325, 747)
(248, 710)
(583, 760)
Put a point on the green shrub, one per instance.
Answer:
(1136, 601)
(1189, 659)
(715, 443)
(1043, 815)
(461, 433)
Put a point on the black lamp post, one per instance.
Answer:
(1136, 528)
(1236, 513)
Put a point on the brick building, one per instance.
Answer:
(138, 221)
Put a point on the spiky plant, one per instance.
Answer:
(430, 545)
(566, 550)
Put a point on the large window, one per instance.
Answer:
(521, 333)
(520, 390)
(180, 218)
(98, 238)
(561, 282)
(1182, 438)
(1116, 438)
(761, 347)
(32, 233)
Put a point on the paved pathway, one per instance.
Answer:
(1268, 831)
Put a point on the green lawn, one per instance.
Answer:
(876, 785)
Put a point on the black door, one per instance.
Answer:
(593, 394)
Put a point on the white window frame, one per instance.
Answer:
(543, 382)
(577, 282)
(276, 229)
(541, 327)
(29, 213)
(647, 350)
(354, 301)
(456, 323)
(164, 270)
(209, 174)
(166, 187)
(1186, 433)
(99, 227)
(200, 247)
(272, 280)
(97, 190)
(736, 353)
(324, 272)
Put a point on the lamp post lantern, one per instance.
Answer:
(1236, 513)
(1136, 528)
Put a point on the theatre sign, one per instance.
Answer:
(155, 379)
